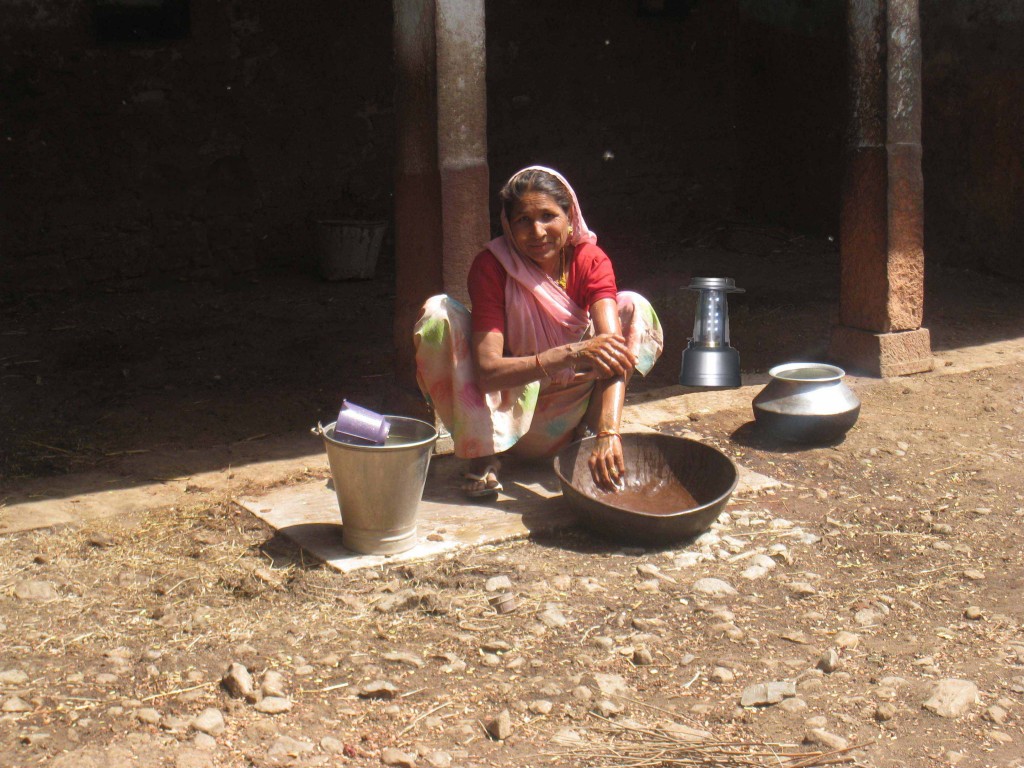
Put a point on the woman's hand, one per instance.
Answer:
(605, 355)
(607, 466)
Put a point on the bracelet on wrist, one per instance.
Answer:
(609, 433)
(540, 365)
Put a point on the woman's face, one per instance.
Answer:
(540, 228)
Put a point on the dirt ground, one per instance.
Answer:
(883, 564)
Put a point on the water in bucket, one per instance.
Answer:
(379, 486)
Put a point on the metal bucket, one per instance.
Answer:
(379, 487)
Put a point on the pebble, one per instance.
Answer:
(273, 705)
(438, 759)
(174, 724)
(608, 684)
(582, 693)
(396, 757)
(642, 657)
(649, 569)
(552, 618)
(974, 613)
(378, 689)
(498, 584)
(39, 591)
(867, 617)
(754, 572)
(722, 675)
(148, 715)
(604, 642)
(996, 714)
(952, 698)
(826, 739)
(567, 737)
(763, 694)
(332, 746)
(885, 711)
(204, 741)
(541, 707)
(714, 587)
(607, 708)
(562, 582)
(800, 589)
(273, 684)
(13, 677)
(286, 746)
(688, 559)
(500, 727)
(846, 640)
(100, 540)
(974, 575)
(799, 637)
(829, 661)
(496, 646)
(15, 704)
(210, 721)
(793, 705)
(400, 657)
(238, 682)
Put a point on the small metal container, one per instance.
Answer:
(505, 602)
(806, 403)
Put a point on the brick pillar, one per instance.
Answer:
(881, 238)
(441, 182)
(418, 234)
(462, 137)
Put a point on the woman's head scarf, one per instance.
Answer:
(580, 232)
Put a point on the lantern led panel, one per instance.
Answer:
(708, 360)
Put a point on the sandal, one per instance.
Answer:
(484, 484)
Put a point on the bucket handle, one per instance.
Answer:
(318, 430)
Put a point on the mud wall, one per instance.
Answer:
(973, 90)
(203, 153)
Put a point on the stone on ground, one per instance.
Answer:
(952, 698)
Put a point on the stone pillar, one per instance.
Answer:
(417, 213)
(462, 137)
(881, 238)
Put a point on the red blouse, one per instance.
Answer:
(590, 279)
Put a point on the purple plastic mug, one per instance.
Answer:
(360, 424)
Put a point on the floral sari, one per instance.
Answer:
(540, 417)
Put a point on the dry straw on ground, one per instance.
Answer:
(631, 744)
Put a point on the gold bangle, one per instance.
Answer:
(536, 358)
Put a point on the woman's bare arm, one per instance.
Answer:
(606, 462)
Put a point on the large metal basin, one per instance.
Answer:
(675, 488)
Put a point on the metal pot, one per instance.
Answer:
(806, 403)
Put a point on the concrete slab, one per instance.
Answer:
(531, 505)
(308, 514)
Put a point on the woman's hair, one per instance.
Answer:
(533, 180)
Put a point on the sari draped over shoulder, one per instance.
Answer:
(540, 417)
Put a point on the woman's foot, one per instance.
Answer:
(482, 478)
